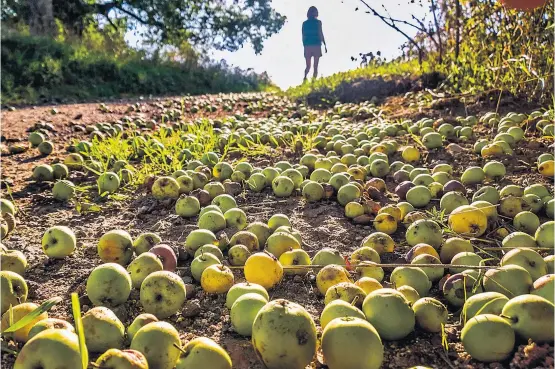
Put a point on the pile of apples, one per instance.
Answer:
(441, 213)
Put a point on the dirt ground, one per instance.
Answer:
(321, 225)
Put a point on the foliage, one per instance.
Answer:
(409, 68)
(477, 45)
(34, 68)
(225, 25)
(499, 49)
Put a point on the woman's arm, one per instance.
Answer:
(322, 36)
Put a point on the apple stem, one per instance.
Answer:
(179, 348)
(355, 300)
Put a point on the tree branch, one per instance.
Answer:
(392, 24)
(110, 21)
(133, 15)
(426, 31)
(438, 31)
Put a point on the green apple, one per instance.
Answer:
(413, 277)
(51, 349)
(35, 138)
(187, 206)
(464, 258)
(235, 218)
(390, 313)
(214, 189)
(46, 147)
(115, 246)
(50, 323)
(185, 183)
(60, 171)
(246, 238)
(145, 242)
(203, 352)
(257, 182)
(162, 294)
(6, 206)
(531, 316)
(15, 261)
(238, 255)
(43, 173)
(348, 193)
(261, 231)
(210, 249)
(283, 186)
(157, 341)
(528, 259)
(278, 220)
(108, 285)
(73, 160)
(140, 321)
(510, 280)
(63, 190)
(545, 234)
(483, 303)
(202, 262)
(102, 329)
(142, 266)
(545, 287)
(58, 242)
(122, 359)
(213, 221)
(424, 231)
(430, 314)
(488, 338)
(243, 288)
(198, 238)
(244, 310)
(224, 202)
(108, 182)
(13, 289)
(165, 188)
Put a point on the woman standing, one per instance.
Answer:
(313, 37)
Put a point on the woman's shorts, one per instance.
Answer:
(312, 50)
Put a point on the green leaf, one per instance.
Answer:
(76, 309)
(44, 307)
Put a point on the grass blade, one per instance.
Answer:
(44, 307)
(76, 309)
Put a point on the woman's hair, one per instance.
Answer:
(312, 12)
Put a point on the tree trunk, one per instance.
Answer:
(458, 30)
(438, 32)
(41, 20)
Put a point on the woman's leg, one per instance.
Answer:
(316, 60)
(307, 69)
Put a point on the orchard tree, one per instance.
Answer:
(220, 24)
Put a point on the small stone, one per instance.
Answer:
(190, 290)
(191, 309)
(121, 312)
(454, 148)
(143, 210)
(297, 279)
(187, 279)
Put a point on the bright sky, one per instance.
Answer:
(347, 34)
